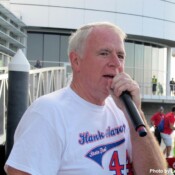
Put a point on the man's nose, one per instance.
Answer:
(115, 61)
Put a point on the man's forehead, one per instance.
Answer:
(105, 33)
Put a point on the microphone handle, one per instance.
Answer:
(134, 114)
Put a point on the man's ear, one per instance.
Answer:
(75, 60)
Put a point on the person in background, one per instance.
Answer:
(84, 128)
(155, 120)
(154, 85)
(172, 86)
(168, 129)
(160, 89)
(38, 64)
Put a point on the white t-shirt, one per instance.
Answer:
(62, 134)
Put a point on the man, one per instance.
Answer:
(154, 84)
(38, 64)
(81, 129)
(155, 120)
(172, 86)
(168, 129)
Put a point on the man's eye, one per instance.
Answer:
(121, 56)
(104, 53)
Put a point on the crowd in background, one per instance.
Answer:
(167, 121)
(157, 87)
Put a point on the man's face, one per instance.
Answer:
(102, 59)
(161, 111)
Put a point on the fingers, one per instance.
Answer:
(123, 82)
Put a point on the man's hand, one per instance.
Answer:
(123, 82)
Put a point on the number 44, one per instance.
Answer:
(117, 167)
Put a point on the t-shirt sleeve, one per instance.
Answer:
(37, 146)
(171, 119)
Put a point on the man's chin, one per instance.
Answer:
(107, 93)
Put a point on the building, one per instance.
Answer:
(12, 35)
(150, 26)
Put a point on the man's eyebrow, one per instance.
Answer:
(105, 49)
(121, 52)
(110, 50)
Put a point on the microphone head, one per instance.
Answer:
(142, 131)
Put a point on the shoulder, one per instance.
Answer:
(45, 108)
(155, 115)
(51, 100)
(169, 114)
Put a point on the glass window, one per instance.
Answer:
(162, 69)
(34, 47)
(48, 48)
(142, 62)
(129, 62)
(63, 49)
(51, 50)
(139, 61)
(147, 69)
(155, 61)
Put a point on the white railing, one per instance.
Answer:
(3, 70)
(4, 59)
(162, 94)
(41, 81)
(45, 80)
(3, 104)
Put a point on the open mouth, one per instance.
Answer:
(109, 76)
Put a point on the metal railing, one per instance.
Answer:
(45, 80)
(162, 93)
(3, 104)
(4, 59)
(41, 81)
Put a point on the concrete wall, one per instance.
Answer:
(154, 18)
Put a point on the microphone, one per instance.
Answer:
(133, 114)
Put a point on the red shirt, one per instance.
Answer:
(156, 118)
(169, 118)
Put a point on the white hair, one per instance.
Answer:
(77, 39)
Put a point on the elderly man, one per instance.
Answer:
(84, 129)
